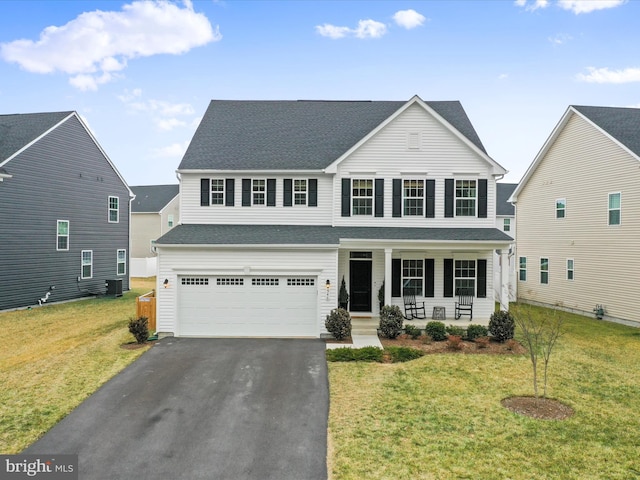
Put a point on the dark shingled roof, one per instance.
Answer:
(623, 124)
(152, 198)
(291, 135)
(318, 234)
(18, 130)
(503, 192)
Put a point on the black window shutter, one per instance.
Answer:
(346, 197)
(205, 195)
(431, 199)
(313, 192)
(246, 192)
(481, 278)
(429, 277)
(482, 198)
(448, 277)
(396, 277)
(271, 192)
(448, 197)
(287, 189)
(397, 197)
(229, 192)
(379, 197)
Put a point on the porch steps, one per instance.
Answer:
(364, 325)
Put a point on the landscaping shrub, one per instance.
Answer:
(482, 342)
(403, 354)
(455, 330)
(426, 339)
(454, 342)
(139, 328)
(413, 331)
(345, 354)
(338, 323)
(391, 321)
(501, 326)
(436, 330)
(475, 331)
(512, 344)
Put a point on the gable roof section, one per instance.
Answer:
(297, 135)
(152, 198)
(503, 206)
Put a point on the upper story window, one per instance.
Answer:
(413, 191)
(63, 235)
(170, 220)
(362, 197)
(300, 192)
(258, 191)
(506, 225)
(466, 194)
(86, 264)
(561, 207)
(217, 191)
(113, 210)
(523, 269)
(615, 207)
(544, 271)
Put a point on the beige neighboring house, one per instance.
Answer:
(578, 216)
(154, 211)
(505, 221)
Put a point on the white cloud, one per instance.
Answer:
(96, 45)
(604, 75)
(169, 123)
(162, 113)
(587, 6)
(532, 6)
(175, 150)
(365, 29)
(560, 38)
(503, 76)
(409, 18)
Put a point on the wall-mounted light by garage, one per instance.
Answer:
(166, 283)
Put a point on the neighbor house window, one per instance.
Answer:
(544, 271)
(362, 194)
(413, 197)
(63, 235)
(523, 269)
(506, 224)
(113, 210)
(217, 191)
(561, 207)
(412, 276)
(170, 220)
(614, 208)
(466, 198)
(300, 192)
(569, 268)
(87, 264)
(121, 268)
(465, 277)
(258, 189)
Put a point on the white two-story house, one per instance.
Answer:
(281, 200)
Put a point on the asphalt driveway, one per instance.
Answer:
(205, 409)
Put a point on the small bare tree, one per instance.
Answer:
(540, 334)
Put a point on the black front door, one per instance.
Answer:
(360, 285)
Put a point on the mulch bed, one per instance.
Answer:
(539, 408)
(492, 348)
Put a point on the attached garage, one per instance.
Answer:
(247, 306)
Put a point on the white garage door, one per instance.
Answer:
(248, 306)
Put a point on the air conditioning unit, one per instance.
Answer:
(114, 287)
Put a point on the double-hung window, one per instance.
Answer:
(506, 224)
(113, 210)
(544, 271)
(561, 207)
(522, 266)
(300, 192)
(87, 264)
(362, 197)
(217, 191)
(63, 235)
(258, 191)
(466, 194)
(121, 267)
(413, 197)
(412, 276)
(170, 220)
(614, 208)
(570, 269)
(465, 277)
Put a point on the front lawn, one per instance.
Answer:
(440, 417)
(54, 357)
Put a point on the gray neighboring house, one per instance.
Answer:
(64, 211)
(506, 221)
(154, 211)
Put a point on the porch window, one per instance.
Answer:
(300, 192)
(412, 276)
(413, 197)
(466, 194)
(258, 189)
(544, 271)
(465, 276)
(523, 269)
(362, 197)
(217, 191)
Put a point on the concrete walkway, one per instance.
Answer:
(359, 341)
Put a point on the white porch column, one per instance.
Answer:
(387, 275)
(504, 280)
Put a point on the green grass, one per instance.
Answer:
(440, 417)
(52, 358)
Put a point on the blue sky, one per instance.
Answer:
(141, 74)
